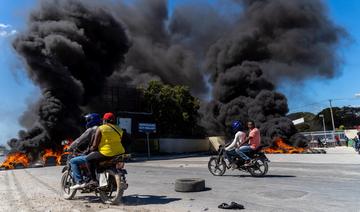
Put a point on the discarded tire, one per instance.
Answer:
(323, 151)
(189, 185)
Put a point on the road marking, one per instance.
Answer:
(55, 191)
(19, 194)
(49, 187)
(9, 194)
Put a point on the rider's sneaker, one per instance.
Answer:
(77, 186)
(227, 161)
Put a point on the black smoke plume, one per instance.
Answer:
(72, 48)
(69, 49)
(273, 40)
(293, 39)
(169, 48)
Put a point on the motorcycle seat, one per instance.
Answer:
(259, 148)
(114, 160)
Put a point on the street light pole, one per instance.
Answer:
(332, 120)
(323, 119)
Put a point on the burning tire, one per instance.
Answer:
(66, 183)
(113, 192)
(216, 166)
(19, 166)
(259, 169)
(189, 185)
(50, 161)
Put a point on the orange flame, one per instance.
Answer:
(56, 154)
(14, 159)
(280, 147)
(17, 158)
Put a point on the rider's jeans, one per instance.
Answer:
(75, 167)
(242, 150)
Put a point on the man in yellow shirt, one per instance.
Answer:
(105, 145)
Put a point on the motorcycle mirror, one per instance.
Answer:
(64, 142)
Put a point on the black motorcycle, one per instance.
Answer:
(258, 166)
(110, 174)
(357, 145)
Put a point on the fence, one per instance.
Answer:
(326, 139)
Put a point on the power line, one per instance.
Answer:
(325, 100)
(311, 104)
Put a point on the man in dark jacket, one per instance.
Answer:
(93, 120)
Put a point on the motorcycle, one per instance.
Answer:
(258, 166)
(110, 174)
(357, 145)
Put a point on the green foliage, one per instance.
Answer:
(174, 108)
(341, 127)
(308, 125)
(344, 118)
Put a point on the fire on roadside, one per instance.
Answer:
(18, 158)
(55, 154)
(280, 147)
(15, 159)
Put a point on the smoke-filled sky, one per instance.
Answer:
(17, 91)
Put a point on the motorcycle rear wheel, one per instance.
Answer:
(259, 169)
(66, 183)
(114, 191)
(216, 166)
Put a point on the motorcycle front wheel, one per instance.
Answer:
(113, 192)
(259, 168)
(217, 166)
(66, 183)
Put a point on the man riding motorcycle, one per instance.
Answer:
(239, 138)
(243, 149)
(93, 120)
(106, 144)
(252, 142)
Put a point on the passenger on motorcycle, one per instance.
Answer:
(252, 142)
(106, 144)
(93, 120)
(357, 142)
(239, 138)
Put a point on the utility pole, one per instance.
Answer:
(323, 119)
(332, 120)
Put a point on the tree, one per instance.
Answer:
(341, 127)
(174, 109)
(344, 118)
(308, 125)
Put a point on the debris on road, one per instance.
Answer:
(233, 205)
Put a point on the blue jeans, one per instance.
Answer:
(242, 150)
(75, 167)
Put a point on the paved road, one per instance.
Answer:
(289, 186)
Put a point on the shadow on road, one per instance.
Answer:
(89, 199)
(134, 199)
(266, 176)
(142, 158)
(147, 200)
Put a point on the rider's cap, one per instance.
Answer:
(109, 116)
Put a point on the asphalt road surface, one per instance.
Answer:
(294, 183)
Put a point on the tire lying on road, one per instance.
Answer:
(323, 151)
(189, 185)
